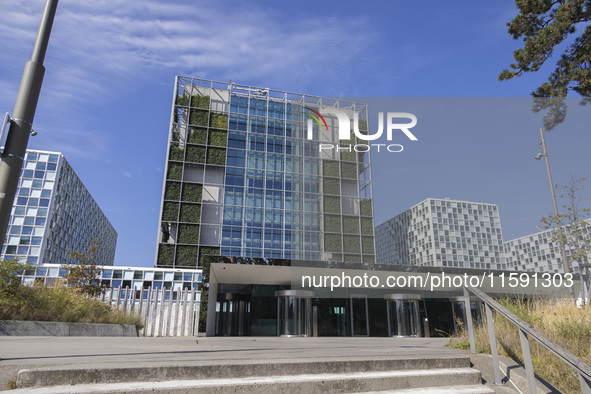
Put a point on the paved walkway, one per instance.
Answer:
(18, 353)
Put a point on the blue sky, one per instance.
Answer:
(108, 86)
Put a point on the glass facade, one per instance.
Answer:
(443, 233)
(243, 179)
(53, 214)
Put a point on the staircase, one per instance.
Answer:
(419, 374)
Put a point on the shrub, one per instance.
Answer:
(200, 101)
(219, 121)
(183, 100)
(352, 258)
(165, 254)
(175, 172)
(195, 154)
(348, 156)
(170, 211)
(366, 226)
(206, 250)
(197, 135)
(192, 192)
(218, 138)
(216, 156)
(10, 271)
(332, 223)
(352, 245)
(365, 207)
(349, 170)
(190, 213)
(172, 191)
(367, 243)
(331, 186)
(188, 234)
(332, 243)
(332, 204)
(351, 224)
(199, 117)
(186, 256)
(330, 168)
(176, 153)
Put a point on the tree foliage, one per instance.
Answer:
(10, 275)
(544, 25)
(576, 233)
(85, 274)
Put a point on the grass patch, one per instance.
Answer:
(560, 320)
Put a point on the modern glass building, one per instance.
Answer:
(443, 233)
(245, 178)
(54, 214)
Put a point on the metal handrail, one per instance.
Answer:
(525, 330)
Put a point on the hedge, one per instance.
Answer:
(348, 156)
(170, 211)
(190, 213)
(349, 170)
(365, 207)
(351, 224)
(200, 101)
(192, 192)
(331, 186)
(197, 135)
(218, 121)
(195, 154)
(165, 254)
(186, 256)
(332, 223)
(366, 226)
(218, 138)
(330, 168)
(352, 244)
(352, 258)
(199, 117)
(332, 243)
(367, 243)
(332, 204)
(172, 191)
(175, 172)
(188, 234)
(176, 153)
(216, 156)
(206, 250)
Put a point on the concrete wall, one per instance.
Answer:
(39, 328)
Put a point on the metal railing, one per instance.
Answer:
(525, 331)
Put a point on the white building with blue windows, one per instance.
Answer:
(54, 214)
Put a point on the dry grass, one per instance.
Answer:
(560, 320)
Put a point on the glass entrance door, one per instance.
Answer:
(232, 315)
(403, 315)
(359, 319)
(294, 313)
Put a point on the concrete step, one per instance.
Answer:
(102, 374)
(438, 380)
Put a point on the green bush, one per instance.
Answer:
(216, 156)
(331, 186)
(332, 223)
(188, 234)
(170, 211)
(186, 256)
(165, 254)
(183, 100)
(197, 135)
(199, 117)
(367, 243)
(349, 170)
(218, 138)
(60, 304)
(192, 192)
(175, 172)
(366, 226)
(348, 156)
(332, 243)
(219, 121)
(190, 213)
(330, 168)
(200, 101)
(172, 191)
(176, 153)
(351, 224)
(207, 250)
(195, 154)
(332, 204)
(352, 244)
(365, 207)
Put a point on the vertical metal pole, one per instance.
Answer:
(529, 366)
(564, 260)
(493, 344)
(22, 119)
(468, 316)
